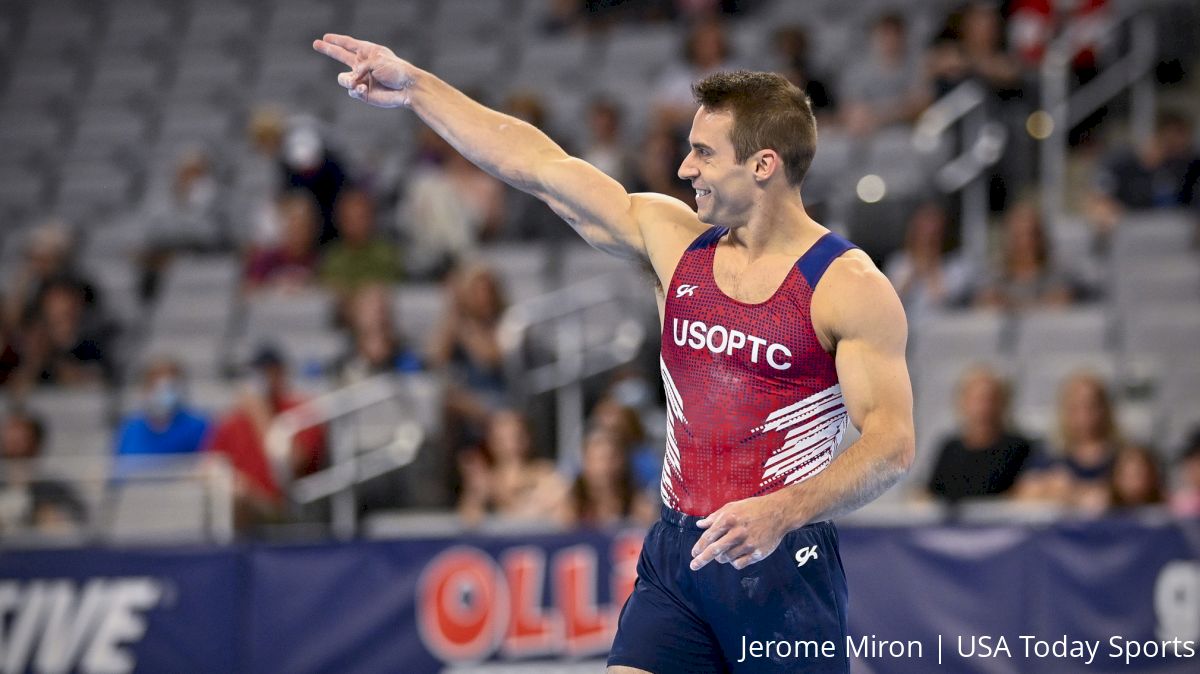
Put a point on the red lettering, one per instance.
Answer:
(532, 630)
(462, 605)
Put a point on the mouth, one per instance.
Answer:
(702, 193)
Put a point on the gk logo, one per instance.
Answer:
(685, 290)
(805, 554)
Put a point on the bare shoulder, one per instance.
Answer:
(855, 300)
(668, 226)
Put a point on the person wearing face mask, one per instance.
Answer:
(164, 425)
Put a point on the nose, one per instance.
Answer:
(687, 171)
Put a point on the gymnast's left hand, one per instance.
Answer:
(740, 533)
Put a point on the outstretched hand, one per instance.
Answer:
(377, 76)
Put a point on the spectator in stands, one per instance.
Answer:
(258, 183)
(926, 277)
(705, 51)
(10, 346)
(886, 87)
(60, 347)
(308, 165)
(49, 258)
(985, 456)
(1185, 500)
(1088, 438)
(971, 47)
(1163, 172)
(504, 476)
(450, 205)
(183, 216)
(625, 424)
(604, 493)
(658, 163)
(1135, 480)
(241, 437)
(792, 60)
(604, 148)
(27, 500)
(466, 343)
(378, 347)
(1028, 277)
(291, 264)
(359, 257)
(165, 425)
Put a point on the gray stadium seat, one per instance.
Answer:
(159, 511)
(418, 310)
(521, 267)
(1141, 234)
(456, 19)
(21, 189)
(131, 21)
(1042, 374)
(1167, 331)
(1061, 331)
(104, 133)
(1171, 279)
(121, 79)
(71, 409)
(640, 53)
(475, 68)
(270, 312)
(43, 82)
(212, 24)
(57, 26)
(973, 334)
(90, 189)
(548, 63)
(200, 356)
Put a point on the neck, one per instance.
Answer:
(777, 223)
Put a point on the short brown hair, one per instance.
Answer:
(768, 112)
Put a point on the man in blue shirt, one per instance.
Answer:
(165, 425)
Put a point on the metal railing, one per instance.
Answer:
(982, 141)
(348, 465)
(577, 354)
(1065, 108)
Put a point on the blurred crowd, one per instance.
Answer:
(307, 217)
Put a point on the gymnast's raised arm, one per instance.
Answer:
(594, 204)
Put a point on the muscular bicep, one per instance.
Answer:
(633, 226)
(871, 332)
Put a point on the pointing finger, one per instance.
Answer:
(335, 52)
(345, 42)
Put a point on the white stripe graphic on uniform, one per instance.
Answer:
(814, 429)
(671, 466)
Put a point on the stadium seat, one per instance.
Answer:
(159, 511)
(269, 312)
(91, 189)
(545, 65)
(131, 21)
(106, 133)
(1167, 331)
(418, 308)
(124, 82)
(1041, 375)
(521, 267)
(972, 334)
(1148, 233)
(1061, 331)
(71, 409)
(639, 54)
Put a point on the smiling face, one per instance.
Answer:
(725, 188)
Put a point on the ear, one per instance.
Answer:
(764, 164)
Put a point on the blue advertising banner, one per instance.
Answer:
(1105, 596)
(179, 610)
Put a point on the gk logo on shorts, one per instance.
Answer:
(805, 554)
(685, 290)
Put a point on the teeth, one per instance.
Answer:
(701, 193)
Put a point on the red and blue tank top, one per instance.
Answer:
(753, 401)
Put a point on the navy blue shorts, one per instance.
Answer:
(777, 615)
